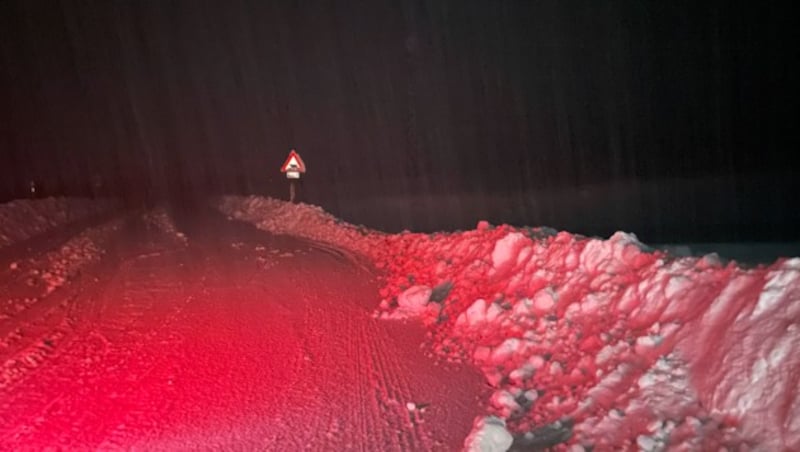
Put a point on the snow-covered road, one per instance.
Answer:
(292, 330)
(132, 334)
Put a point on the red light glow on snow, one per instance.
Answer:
(632, 347)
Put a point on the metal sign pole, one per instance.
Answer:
(291, 191)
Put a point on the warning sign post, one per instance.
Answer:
(293, 167)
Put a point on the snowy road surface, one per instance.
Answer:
(128, 335)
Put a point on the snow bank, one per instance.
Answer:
(591, 342)
(159, 219)
(32, 280)
(67, 261)
(25, 218)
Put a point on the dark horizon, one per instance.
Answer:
(511, 98)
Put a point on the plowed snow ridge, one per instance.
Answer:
(23, 219)
(590, 342)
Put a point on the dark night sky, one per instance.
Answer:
(499, 96)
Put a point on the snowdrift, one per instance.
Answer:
(589, 342)
(25, 218)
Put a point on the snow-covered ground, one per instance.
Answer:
(132, 335)
(26, 287)
(588, 342)
(25, 218)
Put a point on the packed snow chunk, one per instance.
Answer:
(537, 362)
(494, 376)
(506, 350)
(760, 396)
(544, 300)
(506, 250)
(523, 308)
(626, 239)
(493, 312)
(520, 375)
(475, 314)
(593, 303)
(648, 444)
(620, 253)
(482, 354)
(646, 344)
(480, 313)
(556, 369)
(489, 434)
(774, 291)
(547, 436)
(414, 299)
(505, 403)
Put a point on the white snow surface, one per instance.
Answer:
(489, 435)
(25, 218)
(640, 350)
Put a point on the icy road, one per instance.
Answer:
(207, 333)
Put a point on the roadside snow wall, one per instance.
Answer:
(590, 342)
(25, 218)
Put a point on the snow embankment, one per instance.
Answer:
(590, 342)
(159, 219)
(25, 298)
(43, 274)
(25, 218)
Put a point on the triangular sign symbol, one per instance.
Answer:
(293, 163)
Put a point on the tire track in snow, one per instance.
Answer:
(339, 340)
(362, 394)
(393, 390)
(340, 305)
(152, 307)
(381, 389)
(117, 356)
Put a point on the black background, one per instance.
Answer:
(676, 120)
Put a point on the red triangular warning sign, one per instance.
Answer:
(293, 163)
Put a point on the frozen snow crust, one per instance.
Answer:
(25, 218)
(589, 342)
